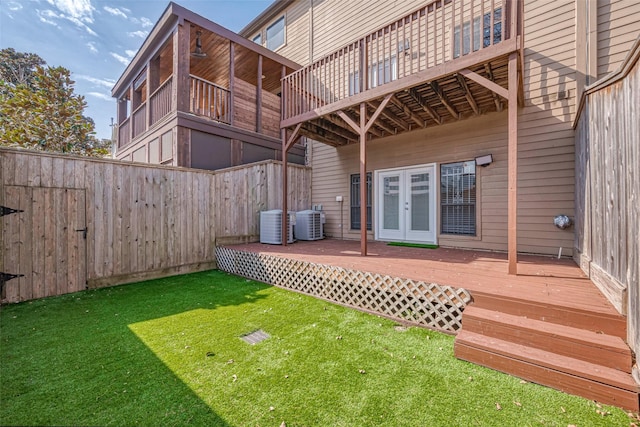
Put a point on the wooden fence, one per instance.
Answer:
(607, 245)
(82, 222)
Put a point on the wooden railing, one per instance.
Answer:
(209, 100)
(440, 31)
(124, 133)
(139, 120)
(160, 102)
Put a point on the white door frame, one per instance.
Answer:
(403, 233)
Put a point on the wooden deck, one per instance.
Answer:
(548, 324)
(541, 279)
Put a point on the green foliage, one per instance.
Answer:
(39, 109)
(168, 352)
(16, 68)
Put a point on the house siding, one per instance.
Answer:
(617, 30)
(545, 134)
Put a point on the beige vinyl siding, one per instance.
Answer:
(296, 47)
(545, 134)
(617, 30)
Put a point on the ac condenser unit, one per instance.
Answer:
(309, 225)
(271, 227)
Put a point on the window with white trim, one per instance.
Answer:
(258, 39)
(275, 34)
(458, 198)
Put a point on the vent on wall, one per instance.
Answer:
(309, 225)
(271, 227)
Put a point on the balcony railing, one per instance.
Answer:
(160, 102)
(439, 32)
(139, 120)
(124, 133)
(209, 100)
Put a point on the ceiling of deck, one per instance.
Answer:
(445, 100)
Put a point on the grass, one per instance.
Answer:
(413, 245)
(168, 352)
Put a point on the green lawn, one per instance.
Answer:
(168, 352)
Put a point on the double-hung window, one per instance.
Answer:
(458, 198)
(355, 201)
(275, 34)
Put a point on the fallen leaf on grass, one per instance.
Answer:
(523, 382)
(498, 407)
(339, 337)
(562, 409)
(229, 362)
(362, 371)
(515, 402)
(603, 413)
(235, 378)
(271, 408)
(283, 424)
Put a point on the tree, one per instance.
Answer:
(42, 112)
(17, 68)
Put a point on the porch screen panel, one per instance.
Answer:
(420, 202)
(355, 201)
(458, 198)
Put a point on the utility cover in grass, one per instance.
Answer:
(255, 337)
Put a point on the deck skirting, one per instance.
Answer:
(417, 302)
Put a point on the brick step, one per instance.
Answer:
(589, 346)
(604, 323)
(568, 374)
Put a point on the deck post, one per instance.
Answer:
(363, 179)
(513, 165)
(286, 145)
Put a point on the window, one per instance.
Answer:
(458, 198)
(379, 73)
(355, 201)
(258, 39)
(275, 34)
(486, 33)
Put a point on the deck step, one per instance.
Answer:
(602, 323)
(568, 374)
(605, 350)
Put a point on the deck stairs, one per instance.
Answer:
(572, 350)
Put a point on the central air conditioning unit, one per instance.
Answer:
(271, 227)
(309, 225)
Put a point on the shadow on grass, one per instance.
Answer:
(73, 360)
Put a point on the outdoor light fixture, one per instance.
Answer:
(198, 53)
(485, 160)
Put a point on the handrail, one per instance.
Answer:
(438, 32)
(160, 101)
(209, 99)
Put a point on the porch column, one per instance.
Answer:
(513, 165)
(363, 179)
(232, 78)
(286, 145)
(180, 88)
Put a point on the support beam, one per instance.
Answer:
(286, 145)
(232, 78)
(423, 104)
(259, 96)
(363, 180)
(413, 116)
(341, 123)
(445, 101)
(390, 116)
(496, 99)
(512, 167)
(494, 87)
(467, 94)
(330, 127)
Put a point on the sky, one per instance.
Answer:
(96, 39)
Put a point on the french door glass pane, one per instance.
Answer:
(420, 202)
(391, 203)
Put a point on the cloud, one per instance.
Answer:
(108, 83)
(115, 11)
(146, 23)
(48, 16)
(101, 95)
(139, 33)
(121, 59)
(92, 47)
(79, 12)
(130, 53)
(14, 6)
(78, 9)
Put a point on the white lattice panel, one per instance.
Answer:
(418, 302)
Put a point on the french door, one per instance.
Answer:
(406, 200)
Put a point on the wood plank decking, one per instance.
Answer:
(549, 324)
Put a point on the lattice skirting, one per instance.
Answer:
(425, 304)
